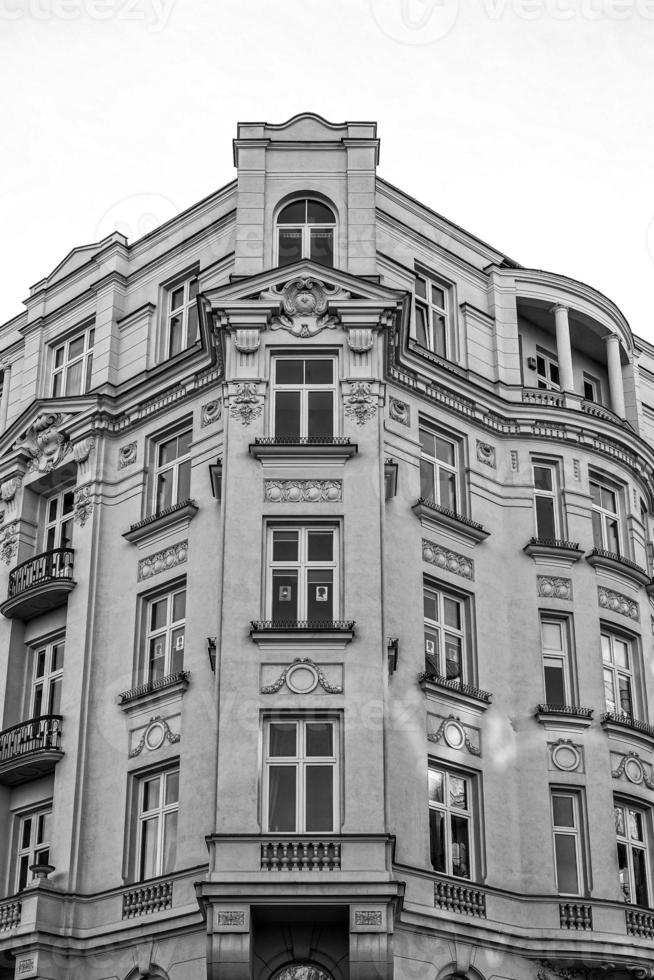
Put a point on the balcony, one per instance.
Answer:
(281, 632)
(30, 750)
(566, 716)
(156, 896)
(39, 584)
(620, 724)
(460, 898)
(553, 551)
(610, 561)
(301, 855)
(463, 529)
(336, 449)
(453, 689)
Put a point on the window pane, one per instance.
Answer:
(447, 489)
(175, 335)
(167, 451)
(608, 499)
(421, 288)
(426, 480)
(177, 298)
(437, 297)
(27, 832)
(290, 245)
(319, 214)
(193, 289)
(151, 788)
(421, 325)
(164, 490)
(595, 493)
(169, 842)
(436, 786)
(545, 524)
(563, 810)
(282, 739)
(554, 683)
(458, 793)
(606, 649)
(177, 650)
(430, 606)
(566, 864)
(184, 481)
(613, 537)
(452, 657)
(284, 597)
(43, 827)
(66, 534)
(39, 669)
(281, 802)
(158, 613)
(179, 606)
(285, 545)
(320, 545)
(322, 246)
(54, 699)
(624, 687)
(38, 701)
(157, 658)
(640, 877)
(319, 798)
(542, 478)
(68, 503)
(432, 659)
(452, 613)
(437, 839)
(293, 213)
(172, 787)
(319, 736)
(440, 335)
(59, 357)
(609, 690)
(57, 656)
(620, 826)
(289, 372)
(445, 451)
(192, 331)
(620, 653)
(76, 348)
(184, 443)
(320, 595)
(149, 847)
(460, 847)
(552, 636)
(74, 378)
(287, 414)
(598, 535)
(321, 414)
(635, 825)
(623, 872)
(554, 374)
(319, 372)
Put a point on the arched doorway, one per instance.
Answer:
(301, 971)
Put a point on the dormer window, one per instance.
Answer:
(305, 230)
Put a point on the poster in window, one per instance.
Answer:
(158, 649)
(285, 593)
(322, 593)
(430, 647)
(179, 642)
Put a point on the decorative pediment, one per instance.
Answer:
(303, 304)
(45, 442)
(47, 433)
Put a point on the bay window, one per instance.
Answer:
(606, 517)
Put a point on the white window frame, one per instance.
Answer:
(560, 657)
(603, 516)
(437, 465)
(544, 379)
(50, 681)
(158, 813)
(591, 382)
(304, 566)
(630, 844)
(190, 288)
(304, 390)
(466, 814)
(444, 632)
(615, 671)
(63, 519)
(553, 495)
(36, 851)
(433, 311)
(61, 370)
(574, 832)
(306, 228)
(300, 762)
(167, 635)
(174, 467)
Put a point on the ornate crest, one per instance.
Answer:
(304, 306)
(246, 405)
(44, 442)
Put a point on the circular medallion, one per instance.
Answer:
(566, 757)
(633, 771)
(302, 679)
(454, 735)
(155, 735)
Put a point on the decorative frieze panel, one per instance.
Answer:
(552, 587)
(82, 505)
(246, 404)
(126, 455)
(302, 676)
(631, 767)
(152, 737)
(618, 603)
(456, 735)
(211, 412)
(399, 411)
(304, 306)
(448, 560)
(230, 917)
(162, 561)
(303, 491)
(44, 442)
(486, 454)
(361, 403)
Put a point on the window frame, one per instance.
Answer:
(455, 469)
(600, 515)
(49, 679)
(62, 519)
(159, 813)
(181, 428)
(303, 565)
(472, 814)
(182, 281)
(589, 381)
(61, 371)
(645, 813)
(544, 379)
(577, 832)
(546, 617)
(555, 495)
(34, 849)
(432, 310)
(304, 389)
(633, 672)
(467, 674)
(147, 600)
(305, 229)
(300, 763)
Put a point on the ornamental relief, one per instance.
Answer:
(450, 561)
(177, 554)
(455, 734)
(246, 404)
(565, 755)
(152, 737)
(618, 603)
(602, 971)
(486, 454)
(399, 411)
(632, 768)
(303, 491)
(9, 542)
(302, 676)
(360, 404)
(82, 505)
(552, 587)
(126, 455)
(44, 442)
(304, 306)
(211, 412)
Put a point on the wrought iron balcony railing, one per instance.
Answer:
(303, 441)
(150, 687)
(574, 710)
(454, 684)
(295, 625)
(627, 721)
(39, 584)
(30, 749)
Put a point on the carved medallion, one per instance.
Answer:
(304, 306)
(44, 442)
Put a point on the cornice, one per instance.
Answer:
(399, 229)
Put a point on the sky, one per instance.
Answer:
(527, 122)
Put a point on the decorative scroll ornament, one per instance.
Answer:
(551, 587)
(632, 767)
(454, 734)
(9, 542)
(304, 306)
(10, 488)
(302, 677)
(211, 412)
(399, 411)
(361, 403)
(441, 557)
(155, 734)
(303, 491)
(82, 506)
(486, 454)
(44, 443)
(177, 554)
(126, 455)
(246, 404)
(83, 449)
(617, 603)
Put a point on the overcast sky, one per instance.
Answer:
(528, 122)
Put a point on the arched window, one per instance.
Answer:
(301, 971)
(305, 230)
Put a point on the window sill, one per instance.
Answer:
(463, 694)
(568, 716)
(439, 518)
(177, 515)
(282, 633)
(624, 726)
(155, 692)
(550, 551)
(337, 450)
(610, 562)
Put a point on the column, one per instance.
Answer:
(563, 348)
(616, 385)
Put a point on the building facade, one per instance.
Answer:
(325, 587)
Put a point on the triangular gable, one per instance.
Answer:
(35, 428)
(79, 257)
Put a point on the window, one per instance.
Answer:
(172, 470)
(450, 823)
(547, 371)
(546, 501)
(432, 302)
(303, 573)
(165, 634)
(181, 316)
(631, 837)
(606, 517)
(439, 469)
(157, 824)
(46, 685)
(305, 230)
(72, 365)
(59, 520)
(444, 634)
(556, 661)
(301, 786)
(304, 397)
(617, 661)
(566, 833)
(591, 388)
(34, 837)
